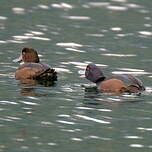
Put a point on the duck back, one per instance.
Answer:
(130, 81)
(35, 71)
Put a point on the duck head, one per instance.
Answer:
(93, 73)
(28, 55)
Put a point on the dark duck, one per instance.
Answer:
(32, 68)
(115, 84)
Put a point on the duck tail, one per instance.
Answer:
(136, 83)
(49, 74)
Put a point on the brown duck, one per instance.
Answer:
(115, 84)
(32, 68)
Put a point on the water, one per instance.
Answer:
(115, 35)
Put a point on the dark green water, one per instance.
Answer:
(116, 35)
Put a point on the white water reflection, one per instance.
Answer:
(2, 42)
(108, 5)
(122, 1)
(52, 144)
(146, 33)
(13, 118)
(43, 6)
(97, 137)
(26, 36)
(147, 25)
(36, 32)
(87, 108)
(64, 115)
(133, 137)
(41, 38)
(46, 123)
(17, 10)
(70, 44)
(119, 55)
(8, 102)
(66, 122)
(136, 145)
(78, 63)
(116, 29)
(33, 98)
(117, 8)
(82, 65)
(75, 50)
(3, 18)
(92, 119)
(130, 69)
(76, 139)
(15, 41)
(42, 27)
(6, 119)
(143, 11)
(19, 37)
(95, 35)
(29, 103)
(98, 4)
(110, 99)
(71, 130)
(62, 5)
(18, 139)
(131, 72)
(150, 146)
(84, 108)
(104, 110)
(63, 70)
(133, 5)
(9, 75)
(148, 90)
(124, 35)
(144, 129)
(77, 17)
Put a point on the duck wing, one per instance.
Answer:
(35, 71)
(130, 81)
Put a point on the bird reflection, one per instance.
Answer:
(95, 97)
(91, 92)
(32, 82)
(29, 87)
(31, 92)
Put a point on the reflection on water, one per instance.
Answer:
(94, 97)
(30, 82)
(31, 92)
(66, 116)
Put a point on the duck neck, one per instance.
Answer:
(100, 80)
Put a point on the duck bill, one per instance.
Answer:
(18, 59)
(82, 73)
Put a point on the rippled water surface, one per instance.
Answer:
(114, 34)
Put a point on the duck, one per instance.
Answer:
(117, 84)
(32, 68)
